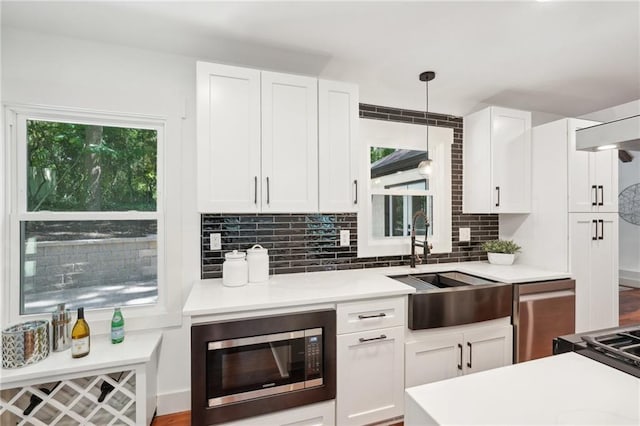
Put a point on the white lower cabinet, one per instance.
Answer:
(370, 361)
(593, 245)
(370, 386)
(433, 355)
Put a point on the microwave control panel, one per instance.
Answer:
(314, 357)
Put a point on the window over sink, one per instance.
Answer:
(395, 189)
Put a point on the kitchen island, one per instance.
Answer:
(557, 390)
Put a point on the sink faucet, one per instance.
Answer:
(424, 244)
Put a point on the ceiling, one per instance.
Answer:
(565, 58)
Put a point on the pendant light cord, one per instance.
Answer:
(426, 114)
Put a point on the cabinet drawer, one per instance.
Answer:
(370, 314)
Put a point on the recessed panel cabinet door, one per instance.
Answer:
(289, 143)
(228, 135)
(370, 373)
(511, 160)
(487, 348)
(338, 146)
(593, 241)
(433, 359)
(593, 176)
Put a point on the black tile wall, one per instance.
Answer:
(311, 242)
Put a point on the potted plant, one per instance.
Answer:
(501, 252)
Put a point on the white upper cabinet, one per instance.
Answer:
(228, 135)
(257, 144)
(593, 176)
(289, 143)
(338, 146)
(497, 161)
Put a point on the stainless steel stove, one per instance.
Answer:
(617, 347)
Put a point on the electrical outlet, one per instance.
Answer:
(464, 234)
(345, 236)
(215, 242)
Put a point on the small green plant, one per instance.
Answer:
(500, 246)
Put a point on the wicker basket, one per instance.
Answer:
(25, 343)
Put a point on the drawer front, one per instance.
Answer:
(370, 314)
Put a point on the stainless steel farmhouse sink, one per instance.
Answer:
(451, 298)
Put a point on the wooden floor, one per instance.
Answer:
(630, 307)
(629, 314)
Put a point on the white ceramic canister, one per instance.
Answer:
(235, 269)
(258, 259)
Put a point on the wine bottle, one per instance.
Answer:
(80, 336)
(117, 326)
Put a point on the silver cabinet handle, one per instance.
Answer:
(498, 203)
(381, 337)
(267, 189)
(594, 199)
(355, 184)
(255, 190)
(380, 315)
(460, 363)
(601, 189)
(595, 229)
(470, 349)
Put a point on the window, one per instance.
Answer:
(87, 219)
(396, 191)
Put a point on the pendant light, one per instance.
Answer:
(424, 168)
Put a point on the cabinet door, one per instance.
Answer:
(228, 138)
(593, 242)
(605, 177)
(338, 146)
(510, 160)
(432, 359)
(593, 176)
(289, 143)
(487, 348)
(582, 197)
(370, 373)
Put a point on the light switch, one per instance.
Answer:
(464, 234)
(345, 236)
(215, 242)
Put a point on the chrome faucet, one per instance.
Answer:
(424, 244)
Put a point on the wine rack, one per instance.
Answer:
(113, 385)
(73, 402)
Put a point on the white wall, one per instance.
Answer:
(628, 174)
(56, 71)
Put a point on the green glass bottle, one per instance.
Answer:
(117, 326)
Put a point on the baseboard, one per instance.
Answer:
(629, 278)
(174, 402)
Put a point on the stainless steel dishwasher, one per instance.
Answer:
(542, 311)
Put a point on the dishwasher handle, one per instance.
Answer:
(544, 287)
(547, 295)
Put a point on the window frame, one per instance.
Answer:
(400, 135)
(167, 310)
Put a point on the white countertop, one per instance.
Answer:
(137, 348)
(209, 296)
(557, 390)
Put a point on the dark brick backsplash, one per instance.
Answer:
(311, 242)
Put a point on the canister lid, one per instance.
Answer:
(235, 255)
(257, 249)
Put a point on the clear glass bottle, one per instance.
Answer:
(117, 326)
(80, 336)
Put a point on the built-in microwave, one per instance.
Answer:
(255, 366)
